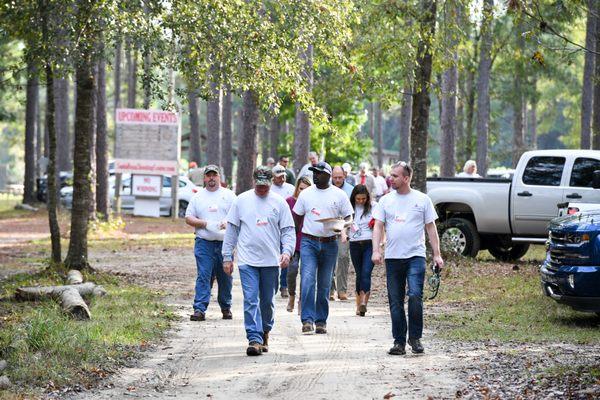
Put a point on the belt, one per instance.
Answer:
(360, 242)
(320, 239)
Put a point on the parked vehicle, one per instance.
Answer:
(185, 192)
(505, 216)
(65, 178)
(574, 208)
(571, 272)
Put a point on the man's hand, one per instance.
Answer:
(344, 235)
(284, 260)
(228, 267)
(376, 257)
(222, 225)
(437, 260)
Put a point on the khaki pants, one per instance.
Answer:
(339, 279)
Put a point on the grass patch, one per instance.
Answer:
(47, 350)
(485, 300)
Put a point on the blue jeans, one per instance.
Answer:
(209, 262)
(399, 272)
(361, 253)
(283, 278)
(318, 261)
(259, 285)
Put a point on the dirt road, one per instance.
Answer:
(207, 359)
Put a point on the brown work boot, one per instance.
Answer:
(197, 316)
(342, 296)
(307, 328)
(291, 301)
(227, 314)
(284, 292)
(265, 346)
(332, 295)
(321, 328)
(254, 349)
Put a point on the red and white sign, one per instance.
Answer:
(146, 185)
(149, 117)
(146, 167)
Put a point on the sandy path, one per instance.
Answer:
(207, 359)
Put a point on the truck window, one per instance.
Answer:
(544, 171)
(583, 172)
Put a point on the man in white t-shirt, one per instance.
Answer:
(319, 246)
(280, 186)
(313, 159)
(260, 224)
(405, 214)
(206, 213)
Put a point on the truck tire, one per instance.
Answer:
(459, 235)
(512, 252)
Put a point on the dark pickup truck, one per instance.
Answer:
(571, 272)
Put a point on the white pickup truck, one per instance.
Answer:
(505, 215)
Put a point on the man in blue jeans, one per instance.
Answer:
(405, 214)
(260, 223)
(319, 246)
(206, 213)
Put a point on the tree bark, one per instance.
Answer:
(31, 103)
(131, 59)
(405, 118)
(194, 150)
(102, 201)
(147, 76)
(61, 101)
(519, 101)
(587, 93)
(39, 135)
(532, 124)
(421, 101)
(93, 130)
(275, 132)
(302, 123)
(470, 110)
(117, 84)
(213, 126)
(247, 150)
(227, 136)
(379, 133)
(77, 257)
(483, 87)
(372, 120)
(264, 142)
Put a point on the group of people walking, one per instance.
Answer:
(308, 228)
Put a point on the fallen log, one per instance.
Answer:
(74, 277)
(70, 296)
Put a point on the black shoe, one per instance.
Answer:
(397, 350)
(321, 328)
(227, 314)
(307, 327)
(416, 346)
(254, 349)
(197, 316)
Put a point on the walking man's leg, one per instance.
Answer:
(283, 286)
(204, 263)
(341, 270)
(396, 286)
(308, 279)
(415, 277)
(224, 281)
(291, 276)
(268, 290)
(250, 280)
(326, 263)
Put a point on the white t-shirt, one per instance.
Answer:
(260, 220)
(317, 204)
(405, 217)
(467, 175)
(286, 190)
(380, 185)
(359, 230)
(212, 207)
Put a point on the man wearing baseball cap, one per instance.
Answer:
(260, 224)
(280, 186)
(319, 246)
(206, 213)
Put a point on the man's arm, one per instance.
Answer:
(232, 233)
(434, 240)
(377, 237)
(288, 243)
(195, 222)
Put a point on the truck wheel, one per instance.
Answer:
(459, 235)
(512, 252)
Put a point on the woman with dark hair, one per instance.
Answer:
(361, 248)
(292, 271)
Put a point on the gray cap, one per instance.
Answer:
(263, 175)
(212, 168)
(278, 170)
(321, 166)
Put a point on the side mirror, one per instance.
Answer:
(596, 180)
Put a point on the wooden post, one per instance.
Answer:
(174, 202)
(118, 179)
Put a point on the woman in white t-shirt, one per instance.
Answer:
(361, 247)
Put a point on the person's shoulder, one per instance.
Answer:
(248, 194)
(228, 192)
(419, 195)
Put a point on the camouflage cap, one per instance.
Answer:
(212, 168)
(263, 175)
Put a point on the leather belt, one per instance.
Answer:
(320, 239)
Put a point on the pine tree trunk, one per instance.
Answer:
(519, 102)
(194, 150)
(102, 201)
(131, 56)
(532, 124)
(405, 118)
(587, 95)
(247, 150)
(77, 257)
(449, 95)
(596, 89)
(379, 133)
(61, 121)
(117, 85)
(372, 121)
(470, 111)
(93, 165)
(213, 127)
(421, 101)
(31, 103)
(146, 82)
(483, 87)
(302, 123)
(39, 135)
(460, 121)
(264, 142)
(275, 132)
(227, 136)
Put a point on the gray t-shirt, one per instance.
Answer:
(316, 204)
(405, 216)
(360, 230)
(212, 207)
(260, 220)
(285, 190)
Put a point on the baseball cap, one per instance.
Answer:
(321, 166)
(278, 170)
(263, 175)
(212, 168)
